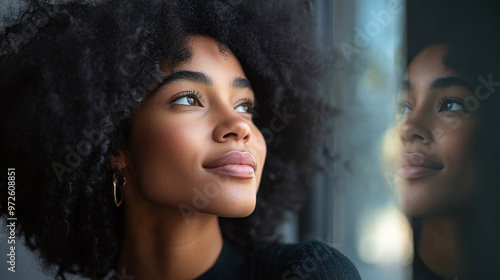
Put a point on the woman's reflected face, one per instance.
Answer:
(437, 130)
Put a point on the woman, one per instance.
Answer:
(448, 109)
(437, 157)
(135, 135)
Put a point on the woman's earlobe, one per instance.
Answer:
(117, 161)
(117, 164)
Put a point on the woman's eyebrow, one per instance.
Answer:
(192, 76)
(446, 82)
(241, 83)
(405, 85)
(202, 78)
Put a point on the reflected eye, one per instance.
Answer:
(245, 107)
(452, 104)
(404, 109)
(190, 98)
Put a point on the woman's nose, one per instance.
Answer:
(416, 128)
(231, 126)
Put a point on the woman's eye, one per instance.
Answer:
(186, 100)
(404, 109)
(189, 99)
(451, 105)
(246, 107)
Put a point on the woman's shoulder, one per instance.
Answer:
(306, 260)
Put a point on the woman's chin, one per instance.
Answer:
(414, 203)
(236, 207)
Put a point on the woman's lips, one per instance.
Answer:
(414, 172)
(416, 165)
(234, 163)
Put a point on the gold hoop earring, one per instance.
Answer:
(115, 182)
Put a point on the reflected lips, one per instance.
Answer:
(235, 164)
(416, 165)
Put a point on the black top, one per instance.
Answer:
(308, 260)
(422, 272)
(420, 269)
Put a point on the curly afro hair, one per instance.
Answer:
(71, 75)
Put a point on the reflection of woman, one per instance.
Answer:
(447, 110)
(437, 157)
(180, 150)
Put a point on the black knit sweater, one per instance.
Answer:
(309, 260)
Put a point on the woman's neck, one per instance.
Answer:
(440, 245)
(166, 246)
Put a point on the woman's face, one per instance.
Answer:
(193, 143)
(436, 132)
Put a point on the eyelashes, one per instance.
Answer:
(451, 104)
(248, 105)
(446, 104)
(187, 98)
(194, 98)
(404, 108)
